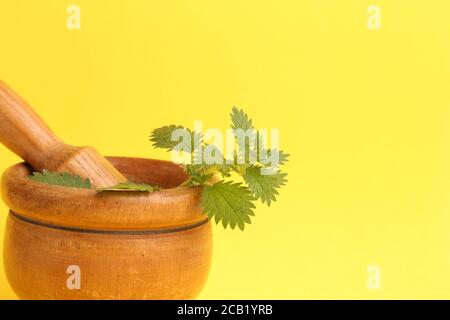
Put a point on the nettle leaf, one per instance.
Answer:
(283, 157)
(61, 179)
(130, 187)
(198, 173)
(218, 163)
(263, 152)
(225, 201)
(240, 120)
(162, 137)
(264, 187)
(228, 202)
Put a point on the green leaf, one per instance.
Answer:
(198, 174)
(130, 187)
(162, 137)
(283, 157)
(264, 187)
(221, 167)
(262, 152)
(240, 120)
(61, 179)
(228, 202)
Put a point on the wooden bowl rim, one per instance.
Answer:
(87, 209)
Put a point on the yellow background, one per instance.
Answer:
(364, 114)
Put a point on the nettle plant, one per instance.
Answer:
(230, 185)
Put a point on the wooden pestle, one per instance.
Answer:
(25, 134)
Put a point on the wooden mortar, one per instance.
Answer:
(126, 245)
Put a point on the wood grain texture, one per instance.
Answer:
(148, 246)
(26, 134)
(171, 265)
(89, 209)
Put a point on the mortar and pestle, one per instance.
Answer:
(116, 245)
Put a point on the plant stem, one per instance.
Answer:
(185, 183)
